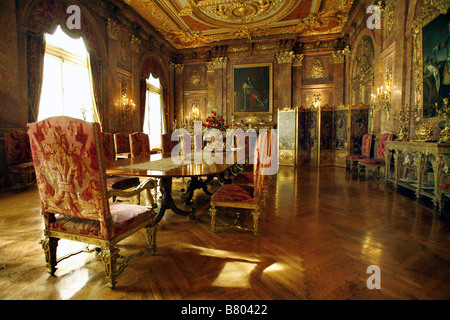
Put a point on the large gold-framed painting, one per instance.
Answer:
(431, 31)
(436, 63)
(252, 88)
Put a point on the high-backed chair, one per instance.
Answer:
(69, 162)
(122, 145)
(370, 165)
(241, 196)
(140, 145)
(18, 157)
(248, 177)
(166, 143)
(116, 182)
(366, 152)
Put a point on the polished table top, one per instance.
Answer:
(136, 166)
(193, 169)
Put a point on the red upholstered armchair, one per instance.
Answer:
(366, 152)
(243, 196)
(69, 163)
(117, 182)
(122, 145)
(140, 145)
(370, 165)
(18, 157)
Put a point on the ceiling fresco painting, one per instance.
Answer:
(195, 23)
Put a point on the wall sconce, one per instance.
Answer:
(128, 108)
(316, 101)
(383, 97)
(195, 111)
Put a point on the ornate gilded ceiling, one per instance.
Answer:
(195, 23)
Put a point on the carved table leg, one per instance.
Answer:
(195, 184)
(168, 203)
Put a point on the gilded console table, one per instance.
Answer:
(418, 166)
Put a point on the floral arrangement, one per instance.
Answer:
(215, 122)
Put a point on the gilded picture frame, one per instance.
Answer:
(426, 39)
(252, 88)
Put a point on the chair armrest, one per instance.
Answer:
(145, 185)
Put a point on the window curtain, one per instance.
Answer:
(96, 76)
(35, 71)
(151, 66)
(142, 97)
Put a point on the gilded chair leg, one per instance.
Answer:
(212, 213)
(109, 260)
(256, 214)
(49, 245)
(151, 234)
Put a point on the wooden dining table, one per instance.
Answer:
(164, 168)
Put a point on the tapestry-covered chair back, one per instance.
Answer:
(121, 142)
(70, 175)
(17, 147)
(261, 158)
(367, 141)
(139, 145)
(382, 145)
(108, 146)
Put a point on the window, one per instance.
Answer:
(153, 124)
(66, 87)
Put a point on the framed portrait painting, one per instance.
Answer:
(431, 59)
(436, 63)
(252, 88)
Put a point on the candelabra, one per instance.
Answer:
(128, 108)
(381, 99)
(316, 100)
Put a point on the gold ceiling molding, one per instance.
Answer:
(196, 23)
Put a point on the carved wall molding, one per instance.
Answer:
(217, 63)
(284, 57)
(113, 29)
(178, 68)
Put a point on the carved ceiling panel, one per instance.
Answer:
(195, 23)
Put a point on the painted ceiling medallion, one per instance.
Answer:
(232, 12)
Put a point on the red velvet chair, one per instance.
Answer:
(370, 165)
(366, 152)
(69, 163)
(166, 143)
(243, 196)
(18, 157)
(140, 145)
(116, 182)
(122, 145)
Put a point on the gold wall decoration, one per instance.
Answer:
(195, 77)
(284, 57)
(341, 55)
(317, 69)
(390, 18)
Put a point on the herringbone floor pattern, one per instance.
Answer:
(320, 231)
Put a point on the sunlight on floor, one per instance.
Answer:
(235, 274)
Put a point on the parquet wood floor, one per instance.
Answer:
(320, 231)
